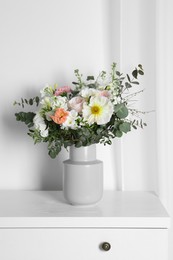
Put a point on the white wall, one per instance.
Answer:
(44, 41)
(166, 109)
(138, 46)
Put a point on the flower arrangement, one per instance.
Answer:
(92, 111)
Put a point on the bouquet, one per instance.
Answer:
(88, 112)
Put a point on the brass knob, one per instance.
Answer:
(106, 246)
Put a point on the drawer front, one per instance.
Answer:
(83, 244)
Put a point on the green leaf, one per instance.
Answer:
(108, 142)
(125, 127)
(17, 116)
(116, 124)
(118, 133)
(31, 101)
(135, 82)
(134, 127)
(128, 78)
(37, 100)
(99, 131)
(75, 83)
(67, 143)
(52, 154)
(135, 74)
(128, 85)
(30, 125)
(91, 85)
(118, 73)
(118, 107)
(85, 132)
(90, 78)
(141, 72)
(78, 144)
(122, 112)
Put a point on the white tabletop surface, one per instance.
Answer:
(48, 209)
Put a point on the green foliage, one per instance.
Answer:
(25, 101)
(25, 117)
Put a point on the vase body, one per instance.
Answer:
(83, 176)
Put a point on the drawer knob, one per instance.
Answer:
(106, 246)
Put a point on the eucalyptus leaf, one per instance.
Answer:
(135, 74)
(75, 83)
(118, 133)
(37, 100)
(90, 78)
(128, 85)
(141, 72)
(118, 73)
(122, 112)
(128, 77)
(125, 127)
(31, 101)
(91, 86)
(118, 107)
(52, 154)
(135, 82)
(78, 144)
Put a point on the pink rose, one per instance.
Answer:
(62, 90)
(105, 93)
(76, 103)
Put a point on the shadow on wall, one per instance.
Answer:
(35, 168)
(51, 170)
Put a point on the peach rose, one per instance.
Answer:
(76, 103)
(60, 116)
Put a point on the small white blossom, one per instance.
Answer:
(88, 92)
(59, 102)
(47, 91)
(40, 125)
(54, 102)
(48, 115)
(71, 120)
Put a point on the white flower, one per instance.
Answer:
(88, 92)
(99, 110)
(40, 125)
(59, 102)
(46, 91)
(71, 120)
(49, 114)
(54, 102)
(46, 102)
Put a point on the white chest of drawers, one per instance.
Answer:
(39, 225)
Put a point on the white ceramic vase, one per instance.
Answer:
(83, 176)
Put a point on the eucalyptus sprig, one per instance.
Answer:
(29, 101)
